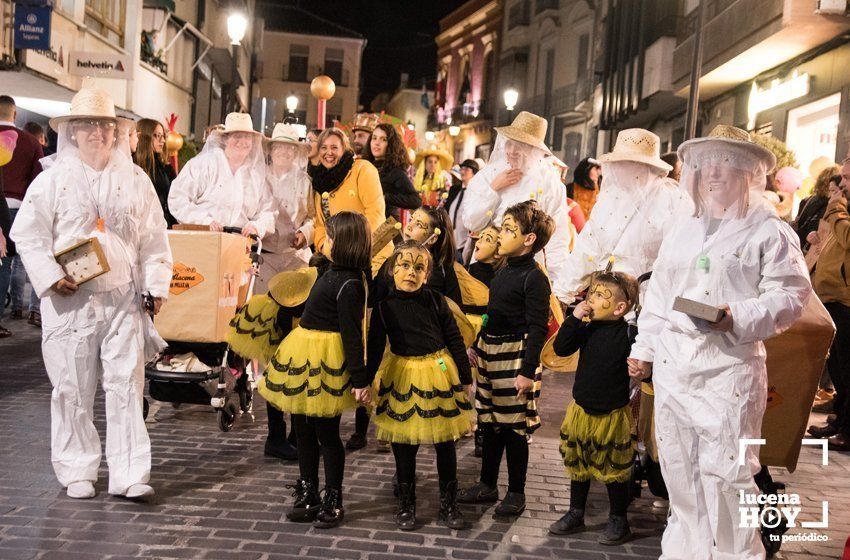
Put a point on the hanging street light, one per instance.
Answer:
(511, 98)
(237, 25)
(292, 103)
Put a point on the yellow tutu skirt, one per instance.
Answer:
(477, 322)
(420, 400)
(597, 446)
(253, 331)
(307, 375)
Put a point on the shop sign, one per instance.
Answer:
(100, 65)
(32, 26)
(776, 93)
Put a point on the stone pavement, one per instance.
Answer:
(219, 498)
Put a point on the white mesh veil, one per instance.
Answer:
(516, 155)
(97, 148)
(724, 179)
(628, 177)
(285, 157)
(227, 143)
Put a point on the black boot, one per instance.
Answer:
(571, 522)
(405, 517)
(330, 513)
(479, 442)
(450, 515)
(616, 532)
(306, 504)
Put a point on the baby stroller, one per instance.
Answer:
(195, 372)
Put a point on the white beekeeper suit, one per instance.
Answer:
(208, 190)
(637, 206)
(292, 196)
(95, 190)
(520, 147)
(711, 385)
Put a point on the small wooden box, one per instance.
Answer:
(698, 310)
(84, 261)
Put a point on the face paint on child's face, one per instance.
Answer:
(511, 238)
(487, 245)
(602, 302)
(419, 228)
(410, 270)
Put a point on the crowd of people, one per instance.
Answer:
(393, 330)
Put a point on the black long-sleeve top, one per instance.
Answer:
(398, 190)
(443, 279)
(483, 272)
(519, 304)
(812, 210)
(337, 303)
(602, 376)
(417, 323)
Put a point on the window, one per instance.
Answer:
(298, 57)
(106, 18)
(519, 14)
(543, 5)
(333, 65)
(583, 55)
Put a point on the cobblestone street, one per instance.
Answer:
(219, 497)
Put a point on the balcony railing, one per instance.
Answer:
(519, 14)
(543, 5)
(150, 56)
(315, 70)
(688, 24)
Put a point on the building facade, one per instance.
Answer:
(155, 57)
(295, 47)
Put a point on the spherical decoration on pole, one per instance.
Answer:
(322, 88)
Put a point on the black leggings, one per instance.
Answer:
(361, 420)
(277, 426)
(319, 437)
(838, 364)
(514, 446)
(405, 461)
(618, 496)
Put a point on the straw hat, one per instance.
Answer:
(90, 103)
(732, 136)
(639, 145)
(365, 121)
(238, 122)
(446, 160)
(291, 288)
(527, 128)
(287, 134)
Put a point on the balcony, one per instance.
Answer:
(519, 14)
(688, 24)
(298, 75)
(150, 56)
(541, 6)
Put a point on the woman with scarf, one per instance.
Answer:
(341, 183)
(386, 151)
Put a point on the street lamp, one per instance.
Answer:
(511, 97)
(454, 131)
(237, 24)
(292, 103)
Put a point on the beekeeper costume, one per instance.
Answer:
(225, 183)
(711, 386)
(637, 205)
(91, 188)
(292, 200)
(520, 146)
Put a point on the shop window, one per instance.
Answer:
(812, 130)
(333, 65)
(298, 57)
(106, 18)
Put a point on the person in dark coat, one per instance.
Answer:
(813, 207)
(151, 157)
(386, 151)
(468, 169)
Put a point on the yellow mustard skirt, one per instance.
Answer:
(420, 400)
(307, 375)
(598, 446)
(253, 331)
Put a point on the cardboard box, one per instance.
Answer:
(795, 362)
(84, 261)
(208, 272)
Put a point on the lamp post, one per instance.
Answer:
(291, 106)
(237, 24)
(322, 88)
(511, 97)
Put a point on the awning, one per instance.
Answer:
(161, 4)
(222, 62)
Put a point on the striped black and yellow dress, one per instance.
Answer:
(317, 364)
(421, 379)
(509, 345)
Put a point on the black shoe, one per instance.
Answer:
(479, 443)
(330, 513)
(355, 442)
(822, 432)
(405, 517)
(34, 319)
(16, 314)
(293, 441)
(616, 532)
(450, 515)
(4, 332)
(571, 522)
(306, 504)
(839, 442)
(283, 450)
(479, 493)
(513, 504)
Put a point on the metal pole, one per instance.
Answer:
(321, 114)
(234, 78)
(696, 72)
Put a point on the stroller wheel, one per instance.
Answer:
(145, 408)
(225, 419)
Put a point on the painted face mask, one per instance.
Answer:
(419, 228)
(410, 270)
(487, 245)
(602, 302)
(511, 238)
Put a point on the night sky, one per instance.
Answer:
(399, 33)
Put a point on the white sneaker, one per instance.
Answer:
(139, 491)
(81, 490)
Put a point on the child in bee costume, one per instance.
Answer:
(422, 382)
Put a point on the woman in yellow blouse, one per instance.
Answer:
(342, 183)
